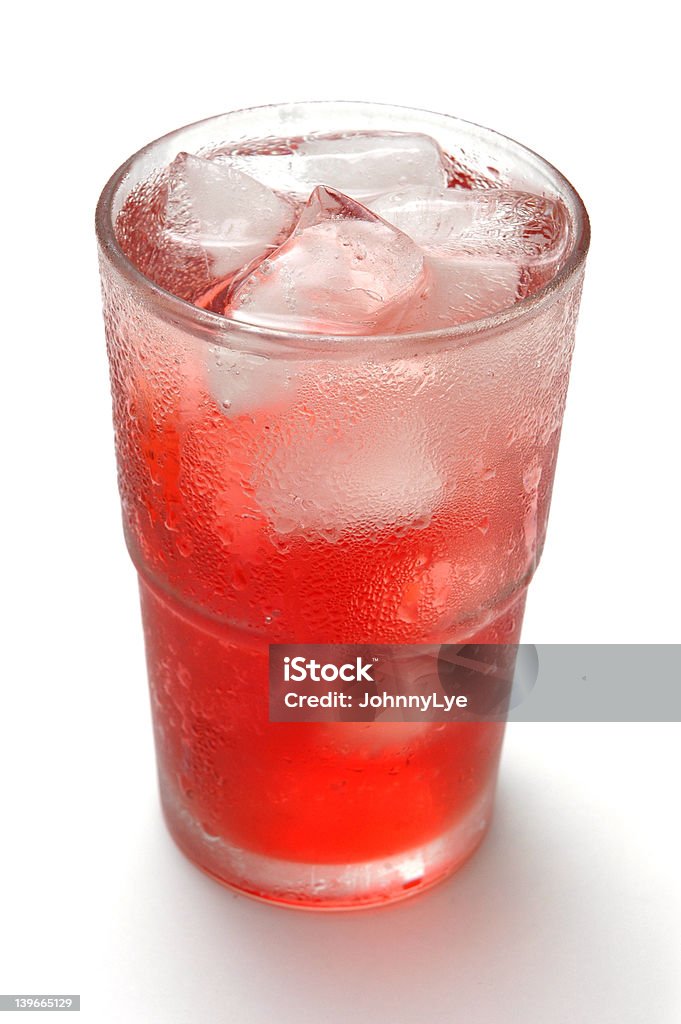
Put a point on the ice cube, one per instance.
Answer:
(484, 249)
(527, 229)
(343, 270)
(243, 383)
(432, 217)
(360, 476)
(360, 164)
(462, 289)
(216, 209)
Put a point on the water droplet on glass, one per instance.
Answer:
(531, 478)
(185, 546)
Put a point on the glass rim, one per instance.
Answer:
(184, 313)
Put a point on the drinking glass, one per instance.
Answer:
(281, 487)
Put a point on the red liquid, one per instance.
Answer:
(332, 793)
(336, 792)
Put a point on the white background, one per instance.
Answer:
(570, 912)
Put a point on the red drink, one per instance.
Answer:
(385, 485)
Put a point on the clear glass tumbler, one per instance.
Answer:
(278, 487)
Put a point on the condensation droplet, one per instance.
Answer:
(185, 546)
(531, 478)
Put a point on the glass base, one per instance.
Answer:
(331, 886)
